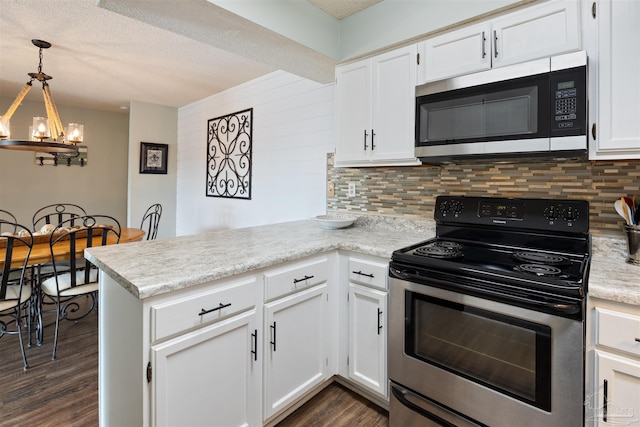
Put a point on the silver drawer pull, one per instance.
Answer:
(220, 307)
(302, 280)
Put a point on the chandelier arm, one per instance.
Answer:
(16, 103)
(52, 112)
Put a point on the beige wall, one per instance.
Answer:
(100, 186)
(159, 125)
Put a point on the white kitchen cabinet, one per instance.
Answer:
(612, 394)
(538, 31)
(163, 361)
(545, 29)
(368, 338)
(375, 110)
(455, 53)
(613, 45)
(367, 317)
(618, 391)
(296, 354)
(208, 377)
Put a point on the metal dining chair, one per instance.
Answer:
(151, 220)
(44, 221)
(74, 276)
(8, 222)
(15, 291)
(56, 213)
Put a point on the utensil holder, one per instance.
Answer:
(632, 232)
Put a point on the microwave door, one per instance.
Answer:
(515, 109)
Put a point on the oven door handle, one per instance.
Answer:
(558, 307)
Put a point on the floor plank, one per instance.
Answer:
(64, 392)
(61, 392)
(336, 406)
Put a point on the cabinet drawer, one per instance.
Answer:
(292, 278)
(619, 331)
(368, 273)
(219, 302)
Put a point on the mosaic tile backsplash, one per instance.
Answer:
(410, 192)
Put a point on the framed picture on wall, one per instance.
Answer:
(153, 157)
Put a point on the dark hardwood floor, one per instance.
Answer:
(61, 392)
(64, 392)
(336, 406)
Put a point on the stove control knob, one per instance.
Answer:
(571, 214)
(551, 213)
(444, 207)
(456, 207)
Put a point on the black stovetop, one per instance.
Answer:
(513, 241)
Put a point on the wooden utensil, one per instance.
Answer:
(621, 208)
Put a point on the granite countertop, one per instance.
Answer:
(611, 277)
(156, 267)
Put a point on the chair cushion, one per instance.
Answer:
(12, 296)
(64, 284)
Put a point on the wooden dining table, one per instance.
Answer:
(41, 252)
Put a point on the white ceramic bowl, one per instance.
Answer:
(334, 221)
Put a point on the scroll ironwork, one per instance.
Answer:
(229, 146)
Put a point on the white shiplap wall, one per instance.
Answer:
(292, 134)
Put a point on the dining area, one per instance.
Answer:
(45, 280)
(49, 312)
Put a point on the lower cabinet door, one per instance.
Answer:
(368, 338)
(616, 400)
(295, 358)
(208, 377)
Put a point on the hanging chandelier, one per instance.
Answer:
(46, 134)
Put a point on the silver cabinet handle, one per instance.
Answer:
(365, 140)
(495, 44)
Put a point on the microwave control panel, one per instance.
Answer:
(568, 102)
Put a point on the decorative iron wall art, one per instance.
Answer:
(229, 142)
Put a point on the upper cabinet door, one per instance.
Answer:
(393, 113)
(614, 68)
(539, 31)
(375, 101)
(353, 118)
(543, 30)
(456, 53)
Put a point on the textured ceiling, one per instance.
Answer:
(340, 9)
(169, 52)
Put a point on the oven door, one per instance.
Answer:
(491, 362)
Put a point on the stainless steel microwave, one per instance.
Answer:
(538, 108)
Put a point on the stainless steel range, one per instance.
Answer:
(486, 320)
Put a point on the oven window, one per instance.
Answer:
(503, 353)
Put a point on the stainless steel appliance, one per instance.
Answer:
(486, 320)
(538, 107)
